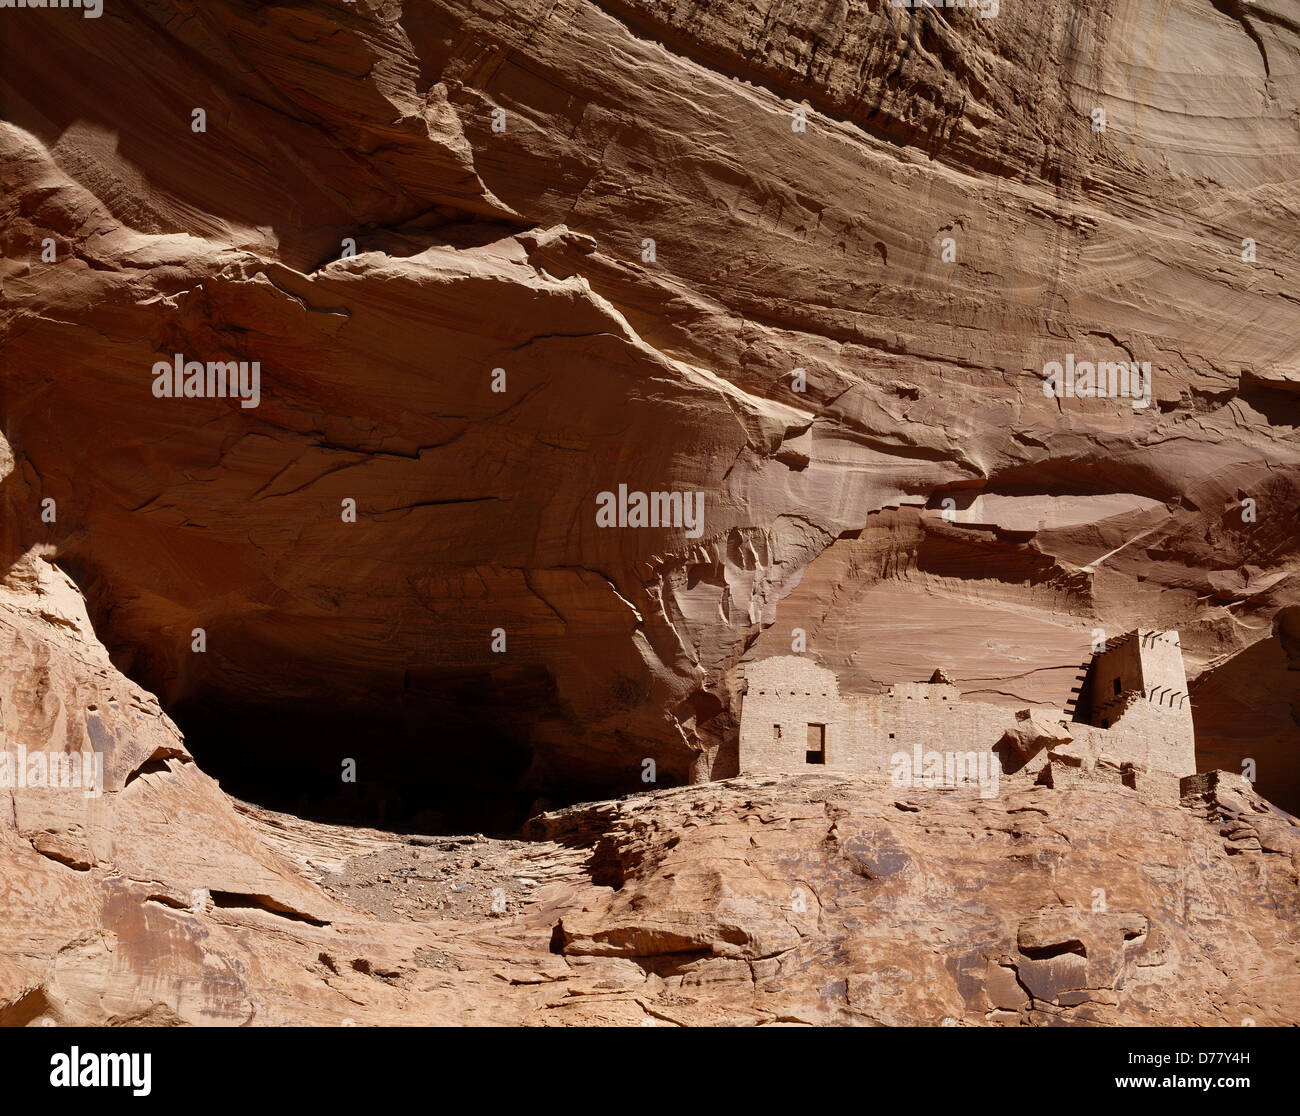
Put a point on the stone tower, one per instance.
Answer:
(1139, 681)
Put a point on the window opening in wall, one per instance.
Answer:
(776, 732)
(1117, 685)
(816, 752)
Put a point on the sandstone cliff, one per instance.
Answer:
(659, 222)
(819, 899)
(773, 250)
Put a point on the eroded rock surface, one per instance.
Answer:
(816, 900)
(813, 899)
(773, 250)
(613, 204)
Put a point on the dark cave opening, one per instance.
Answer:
(415, 749)
(420, 749)
(427, 770)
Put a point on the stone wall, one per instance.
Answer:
(788, 693)
(1150, 723)
(913, 714)
(1143, 662)
(1115, 672)
(784, 695)
(1155, 735)
(1164, 676)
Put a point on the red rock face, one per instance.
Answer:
(570, 356)
(658, 222)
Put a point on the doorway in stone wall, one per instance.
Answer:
(816, 752)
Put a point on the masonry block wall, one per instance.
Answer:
(1152, 707)
(1154, 735)
(913, 714)
(787, 695)
(1163, 674)
(793, 716)
(783, 697)
(1115, 672)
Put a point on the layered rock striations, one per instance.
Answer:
(614, 204)
(927, 137)
(138, 892)
(490, 274)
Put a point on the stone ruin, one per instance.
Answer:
(1130, 722)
